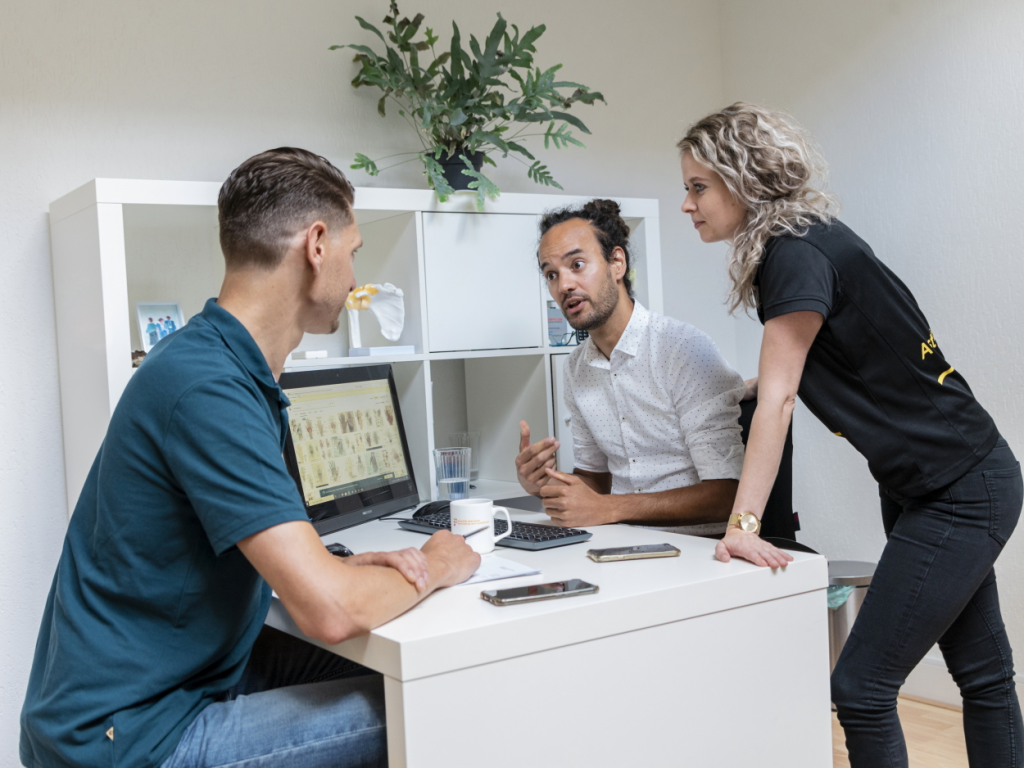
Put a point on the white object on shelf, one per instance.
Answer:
(310, 354)
(407, 349)
(387, 304)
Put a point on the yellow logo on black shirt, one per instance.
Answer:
(929, 346)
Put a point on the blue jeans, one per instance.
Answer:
(935, 583)
(296, 705)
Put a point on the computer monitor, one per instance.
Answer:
(346, 447)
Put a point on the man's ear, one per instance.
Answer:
(618, 263)
(316, 237)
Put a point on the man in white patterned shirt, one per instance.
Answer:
(654, 405)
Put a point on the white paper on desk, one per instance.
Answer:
(493, 568)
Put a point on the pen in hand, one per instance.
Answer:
(474, 533)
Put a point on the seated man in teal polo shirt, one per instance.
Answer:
(189, 517)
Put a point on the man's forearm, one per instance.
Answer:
(378, 594)
(601, 482)
(332, 600)
(709, 501)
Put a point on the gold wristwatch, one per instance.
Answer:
(745, 522)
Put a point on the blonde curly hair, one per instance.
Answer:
(768, 162)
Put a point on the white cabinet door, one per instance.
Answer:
(483, 283)
(563, 421)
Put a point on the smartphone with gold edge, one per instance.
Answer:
(632, 553)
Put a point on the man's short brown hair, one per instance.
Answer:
(270, 197)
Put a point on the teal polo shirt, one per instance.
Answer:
(153, 610)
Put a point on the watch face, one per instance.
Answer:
(749, 522)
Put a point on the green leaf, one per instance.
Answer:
(540, 174)
(370, 28)
(435, 173)
(589, 97)
(458, 117)
(362, 162)
(381, 103)
(483, 186)
(571, 120)
(582, 94)
(520, 149)
(367, 52)
(531, 37)
(561, 138)
(457, 53)
(494, 39)
(541, 116)
(412, 27)
(396, 63)
(487, 136)
(439, 62)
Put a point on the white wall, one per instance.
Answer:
(918, 106)
(187, 90)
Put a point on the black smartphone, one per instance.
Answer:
(556, 589)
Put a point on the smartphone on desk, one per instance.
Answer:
(534, 592)
(632, 553)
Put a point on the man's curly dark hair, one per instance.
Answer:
(609, 227)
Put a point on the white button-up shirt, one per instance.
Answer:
(662, 413)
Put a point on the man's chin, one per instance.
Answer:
(583, 324)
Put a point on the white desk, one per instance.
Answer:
(680, 661)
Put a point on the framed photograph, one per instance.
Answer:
(157, 320)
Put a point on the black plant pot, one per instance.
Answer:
(454, 167)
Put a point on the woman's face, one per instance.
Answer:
(715, 212)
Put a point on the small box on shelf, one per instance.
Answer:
(401, 349)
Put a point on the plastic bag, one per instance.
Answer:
(837, 597)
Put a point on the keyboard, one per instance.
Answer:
(524, 535)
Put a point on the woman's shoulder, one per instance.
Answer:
(825, 236)
(823, 241)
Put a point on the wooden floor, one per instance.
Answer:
(934, 732)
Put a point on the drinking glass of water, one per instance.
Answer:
(452, 465)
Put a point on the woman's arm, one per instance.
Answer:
(784, 348)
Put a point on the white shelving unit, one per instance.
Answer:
(475, 307)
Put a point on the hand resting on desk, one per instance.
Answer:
(332, 599)
(410, 562)
(571, 502)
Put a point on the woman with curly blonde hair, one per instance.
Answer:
(843, 332)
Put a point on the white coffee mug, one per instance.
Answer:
(470, 515)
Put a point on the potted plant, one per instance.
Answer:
(466, 106)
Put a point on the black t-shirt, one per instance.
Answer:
(875, 374)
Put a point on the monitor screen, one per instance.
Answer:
(346, 447)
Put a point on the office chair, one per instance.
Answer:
(778, 520)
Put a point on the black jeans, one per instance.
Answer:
(935, 582)
(279, 660)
